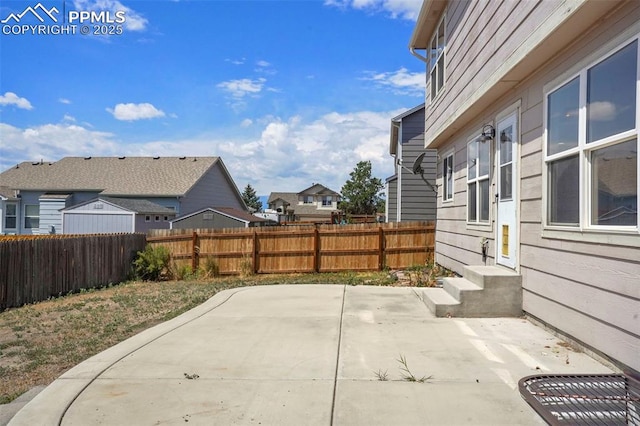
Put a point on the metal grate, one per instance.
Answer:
(584, 399)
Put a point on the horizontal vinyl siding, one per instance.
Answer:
(87, 223)
(392, 200)
(218, 221)
(589, 291)
(418, 200)
(213, 190)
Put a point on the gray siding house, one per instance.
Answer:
(38, 192)
(411, 195)
(534, 109)
(218, 217)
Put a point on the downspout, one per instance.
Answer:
(417, 55)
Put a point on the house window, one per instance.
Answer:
(592, 145)
(157, 218)
(147, 218)
(478, 167)
(307, 199)
(32, 216)
(327, 201)
(11, 216)
(447, 177)
(437, 60)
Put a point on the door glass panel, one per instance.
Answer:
(506, 182)
(506, 145)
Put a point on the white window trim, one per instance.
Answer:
(478, 224)
(431, 68)
(585, 231)
(450, 153)
(16, 216)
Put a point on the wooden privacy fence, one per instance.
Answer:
(35, 268)
(324, 248)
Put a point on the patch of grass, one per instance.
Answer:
(383, 376)
(407, 374)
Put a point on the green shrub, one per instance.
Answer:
(211, 267)
(151, 263)
(182, 272)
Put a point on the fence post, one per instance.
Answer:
(194, 251)
(316, 250)
(255, 251)
(381, 248)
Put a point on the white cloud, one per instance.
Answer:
(404, 9)
(133, 20)
(400, 82)
(69, 118)
(64, 101)
(602, 111)
(287, 155)
(263, 64)
(52, 142)
(246, 122)
(10, 98)
(243, 87)
(240, 61)
(131, 112)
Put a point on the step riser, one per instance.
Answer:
(485, 292)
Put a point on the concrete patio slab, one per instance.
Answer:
(313, 355)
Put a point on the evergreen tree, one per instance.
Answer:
(251, 199)
(361, 193)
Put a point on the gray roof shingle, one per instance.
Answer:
(116, 176)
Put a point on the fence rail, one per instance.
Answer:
(320, 248)
(35, 268)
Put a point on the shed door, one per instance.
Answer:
(506, 194)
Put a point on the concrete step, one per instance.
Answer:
(487, 276)
(485, 291)
(439, 302)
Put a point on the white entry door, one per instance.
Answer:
(507, 191)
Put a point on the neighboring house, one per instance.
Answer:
(314, 204)
(411, 196)
(107, 215)
(41, 190)
(218, 217)
(533, 107)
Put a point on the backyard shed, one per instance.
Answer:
(106, 215)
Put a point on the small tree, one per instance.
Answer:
(251, 199)
(361, 193)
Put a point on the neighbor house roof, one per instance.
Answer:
(394, 134)
(226, 211)
(7, 193)
(288, 197)
(318, 189)
(116, 176)
(130, 204)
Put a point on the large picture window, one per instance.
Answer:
(437, 59)
(592, 145)
(478, 168)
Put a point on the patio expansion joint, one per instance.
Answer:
(335, 377)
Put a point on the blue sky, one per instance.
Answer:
(288, 93)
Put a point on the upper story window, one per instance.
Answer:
(591, 151)
(327, 201)
(11, 216)
(307, 199)
(437, 59)
(478, 168)
(32, 216)
(447, 177)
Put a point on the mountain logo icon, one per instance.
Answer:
(51, 13)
